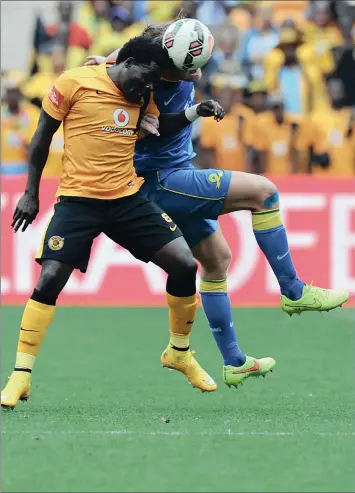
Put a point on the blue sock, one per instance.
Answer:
(217, 307)
(272, 240)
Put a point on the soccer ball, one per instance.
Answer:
(189, 44)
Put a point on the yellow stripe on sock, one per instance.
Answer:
(263, 221)
(219, 286)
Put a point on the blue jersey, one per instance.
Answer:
(157, 153)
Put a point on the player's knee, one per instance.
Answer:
(186, 265)
(182, 276)
(216, 266)
(267, 195)
(54, 276)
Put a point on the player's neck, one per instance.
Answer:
(114, 72)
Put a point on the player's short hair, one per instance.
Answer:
(144, 50)
(156, 31)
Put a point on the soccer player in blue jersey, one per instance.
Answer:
(195, 199)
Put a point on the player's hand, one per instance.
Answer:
(26, 211)
(211, 108)
(94, 60)
(150, 125)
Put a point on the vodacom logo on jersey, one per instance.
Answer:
(121, 117)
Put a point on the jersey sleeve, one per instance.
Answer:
(59, 99)
(208, 133)
(152, 108)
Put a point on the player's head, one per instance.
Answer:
(140, 63)
(336, 92)
(156, 32)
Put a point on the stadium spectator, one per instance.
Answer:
(37, 86)
(257, 96)
(158, 11)
(331, 135)
(323, 29)
(291, 69)
(273, 140)
(214, 13)
(259, 41)
(94, 18)
(120, 18)
(227, 44)
(18, 122)
(70, 34)
(221, 144)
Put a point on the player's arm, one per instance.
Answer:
(207, 152)
(172, 123)
(55, 107)
(28, 206)
(99, 60)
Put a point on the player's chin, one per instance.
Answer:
(194, 75)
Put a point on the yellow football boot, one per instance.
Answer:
(235, 375)
(315, 299)
(185, 362)
(17, 389)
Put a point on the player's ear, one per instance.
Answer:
(128, 62)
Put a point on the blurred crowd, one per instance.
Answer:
(283, 70)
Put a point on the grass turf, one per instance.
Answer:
(105, 417)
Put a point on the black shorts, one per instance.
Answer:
(133, 222)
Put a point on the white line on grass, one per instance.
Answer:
(182, 433)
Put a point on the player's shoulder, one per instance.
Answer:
(78, 73)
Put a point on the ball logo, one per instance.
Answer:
(121, 117)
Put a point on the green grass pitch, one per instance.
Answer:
(105, 417)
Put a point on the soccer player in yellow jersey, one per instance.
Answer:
(101, 108)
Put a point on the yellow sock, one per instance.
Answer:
(263, 221)
(35, 322)
(182, 317)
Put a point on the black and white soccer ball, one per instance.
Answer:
(189, 43)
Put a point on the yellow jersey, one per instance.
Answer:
(100, 132)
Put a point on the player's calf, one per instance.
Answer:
(261, 197)
(177, 260)
(37, 316)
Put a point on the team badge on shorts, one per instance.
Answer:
(216, 178)
(56, 243)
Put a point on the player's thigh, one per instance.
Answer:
(193, 193)
(196, 230)
(214, 255)
(70, 232)
(140, 226)
(248, 192)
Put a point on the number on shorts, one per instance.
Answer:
(166, 217)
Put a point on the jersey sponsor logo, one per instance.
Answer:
(55, 96)
(216, 178)
(115, 130)
(121, 117)
(56, 243)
